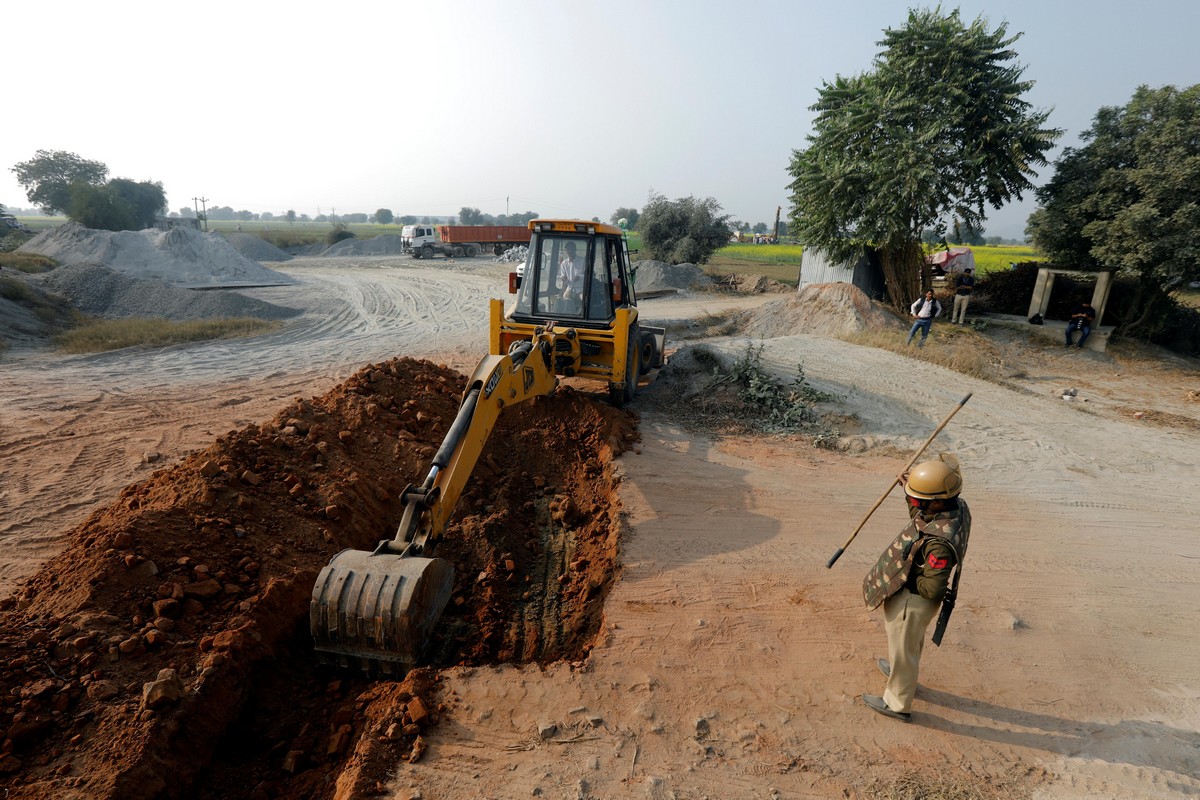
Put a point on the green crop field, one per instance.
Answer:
(989, 258)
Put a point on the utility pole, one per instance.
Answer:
(202, 215)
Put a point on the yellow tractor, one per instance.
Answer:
(575, 315)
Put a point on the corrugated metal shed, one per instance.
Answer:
(866, 273)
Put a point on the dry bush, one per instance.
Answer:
(113, 334)
(27, 262)
(960, 349)
(917, 785)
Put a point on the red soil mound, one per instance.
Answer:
(164, 653)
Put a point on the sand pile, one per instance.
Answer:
(165, 652)
(388, 244)
(181, 256)
(822, 309)
(98, 290)
(255, 248)
(657, 276)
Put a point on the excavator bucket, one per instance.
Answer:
(377, 610)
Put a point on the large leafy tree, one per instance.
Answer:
(100, 208)
(630, 215)
(471, 216)
(119, 205)
(936, 130)
(680, 231)
(147, 200)
(47, 177)
(1130, 198)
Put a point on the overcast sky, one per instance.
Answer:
(563, 107)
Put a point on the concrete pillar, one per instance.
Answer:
(1041, 293)
(1100, 296)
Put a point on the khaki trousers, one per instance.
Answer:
(906, 616)
(959, 314)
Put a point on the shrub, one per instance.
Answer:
(339, 233)
(27, 262)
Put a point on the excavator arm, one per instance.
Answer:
(525, 372)
(378, 609)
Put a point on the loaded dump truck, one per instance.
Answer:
(425, 241)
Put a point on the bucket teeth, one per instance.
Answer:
(378, 611)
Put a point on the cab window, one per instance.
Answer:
(600, 295)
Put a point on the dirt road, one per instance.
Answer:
(732, 660)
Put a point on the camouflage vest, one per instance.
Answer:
(891, 572)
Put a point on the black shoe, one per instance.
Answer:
(884, 667)
(876, 703)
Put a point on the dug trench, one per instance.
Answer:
(165, 652)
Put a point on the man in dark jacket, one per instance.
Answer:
(912, 576)
(1081, 320)
(962, 296)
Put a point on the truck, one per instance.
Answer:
(426, 241)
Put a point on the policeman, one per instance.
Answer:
(912, 576)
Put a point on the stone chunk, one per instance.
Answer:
(165, 690)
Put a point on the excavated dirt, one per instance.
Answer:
(165, 652)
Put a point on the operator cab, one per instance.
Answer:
(576, 273)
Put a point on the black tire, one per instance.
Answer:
(647, 353)
(426, 252)
(620, 397)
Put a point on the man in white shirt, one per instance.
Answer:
(924, 309)
(570, 276)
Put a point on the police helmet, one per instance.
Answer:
(934, 480)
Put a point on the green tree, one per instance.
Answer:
(290, 216)
(146, 200)
(1130, 198)
(384, 216)
(47, 177)
(100, 208)
(680, 231)
(966, 233)
(937, 128)
(470, 216)
(630, 215)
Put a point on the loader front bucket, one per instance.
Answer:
(377, 610)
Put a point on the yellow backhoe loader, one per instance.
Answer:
(575, 314)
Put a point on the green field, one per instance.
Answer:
(989, 258)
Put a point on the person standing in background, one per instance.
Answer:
(962, 296)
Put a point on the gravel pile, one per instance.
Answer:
(181, 256)
(100, 291)
(513, 255)
(654, 276)
(388, 244)
(256, 248)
